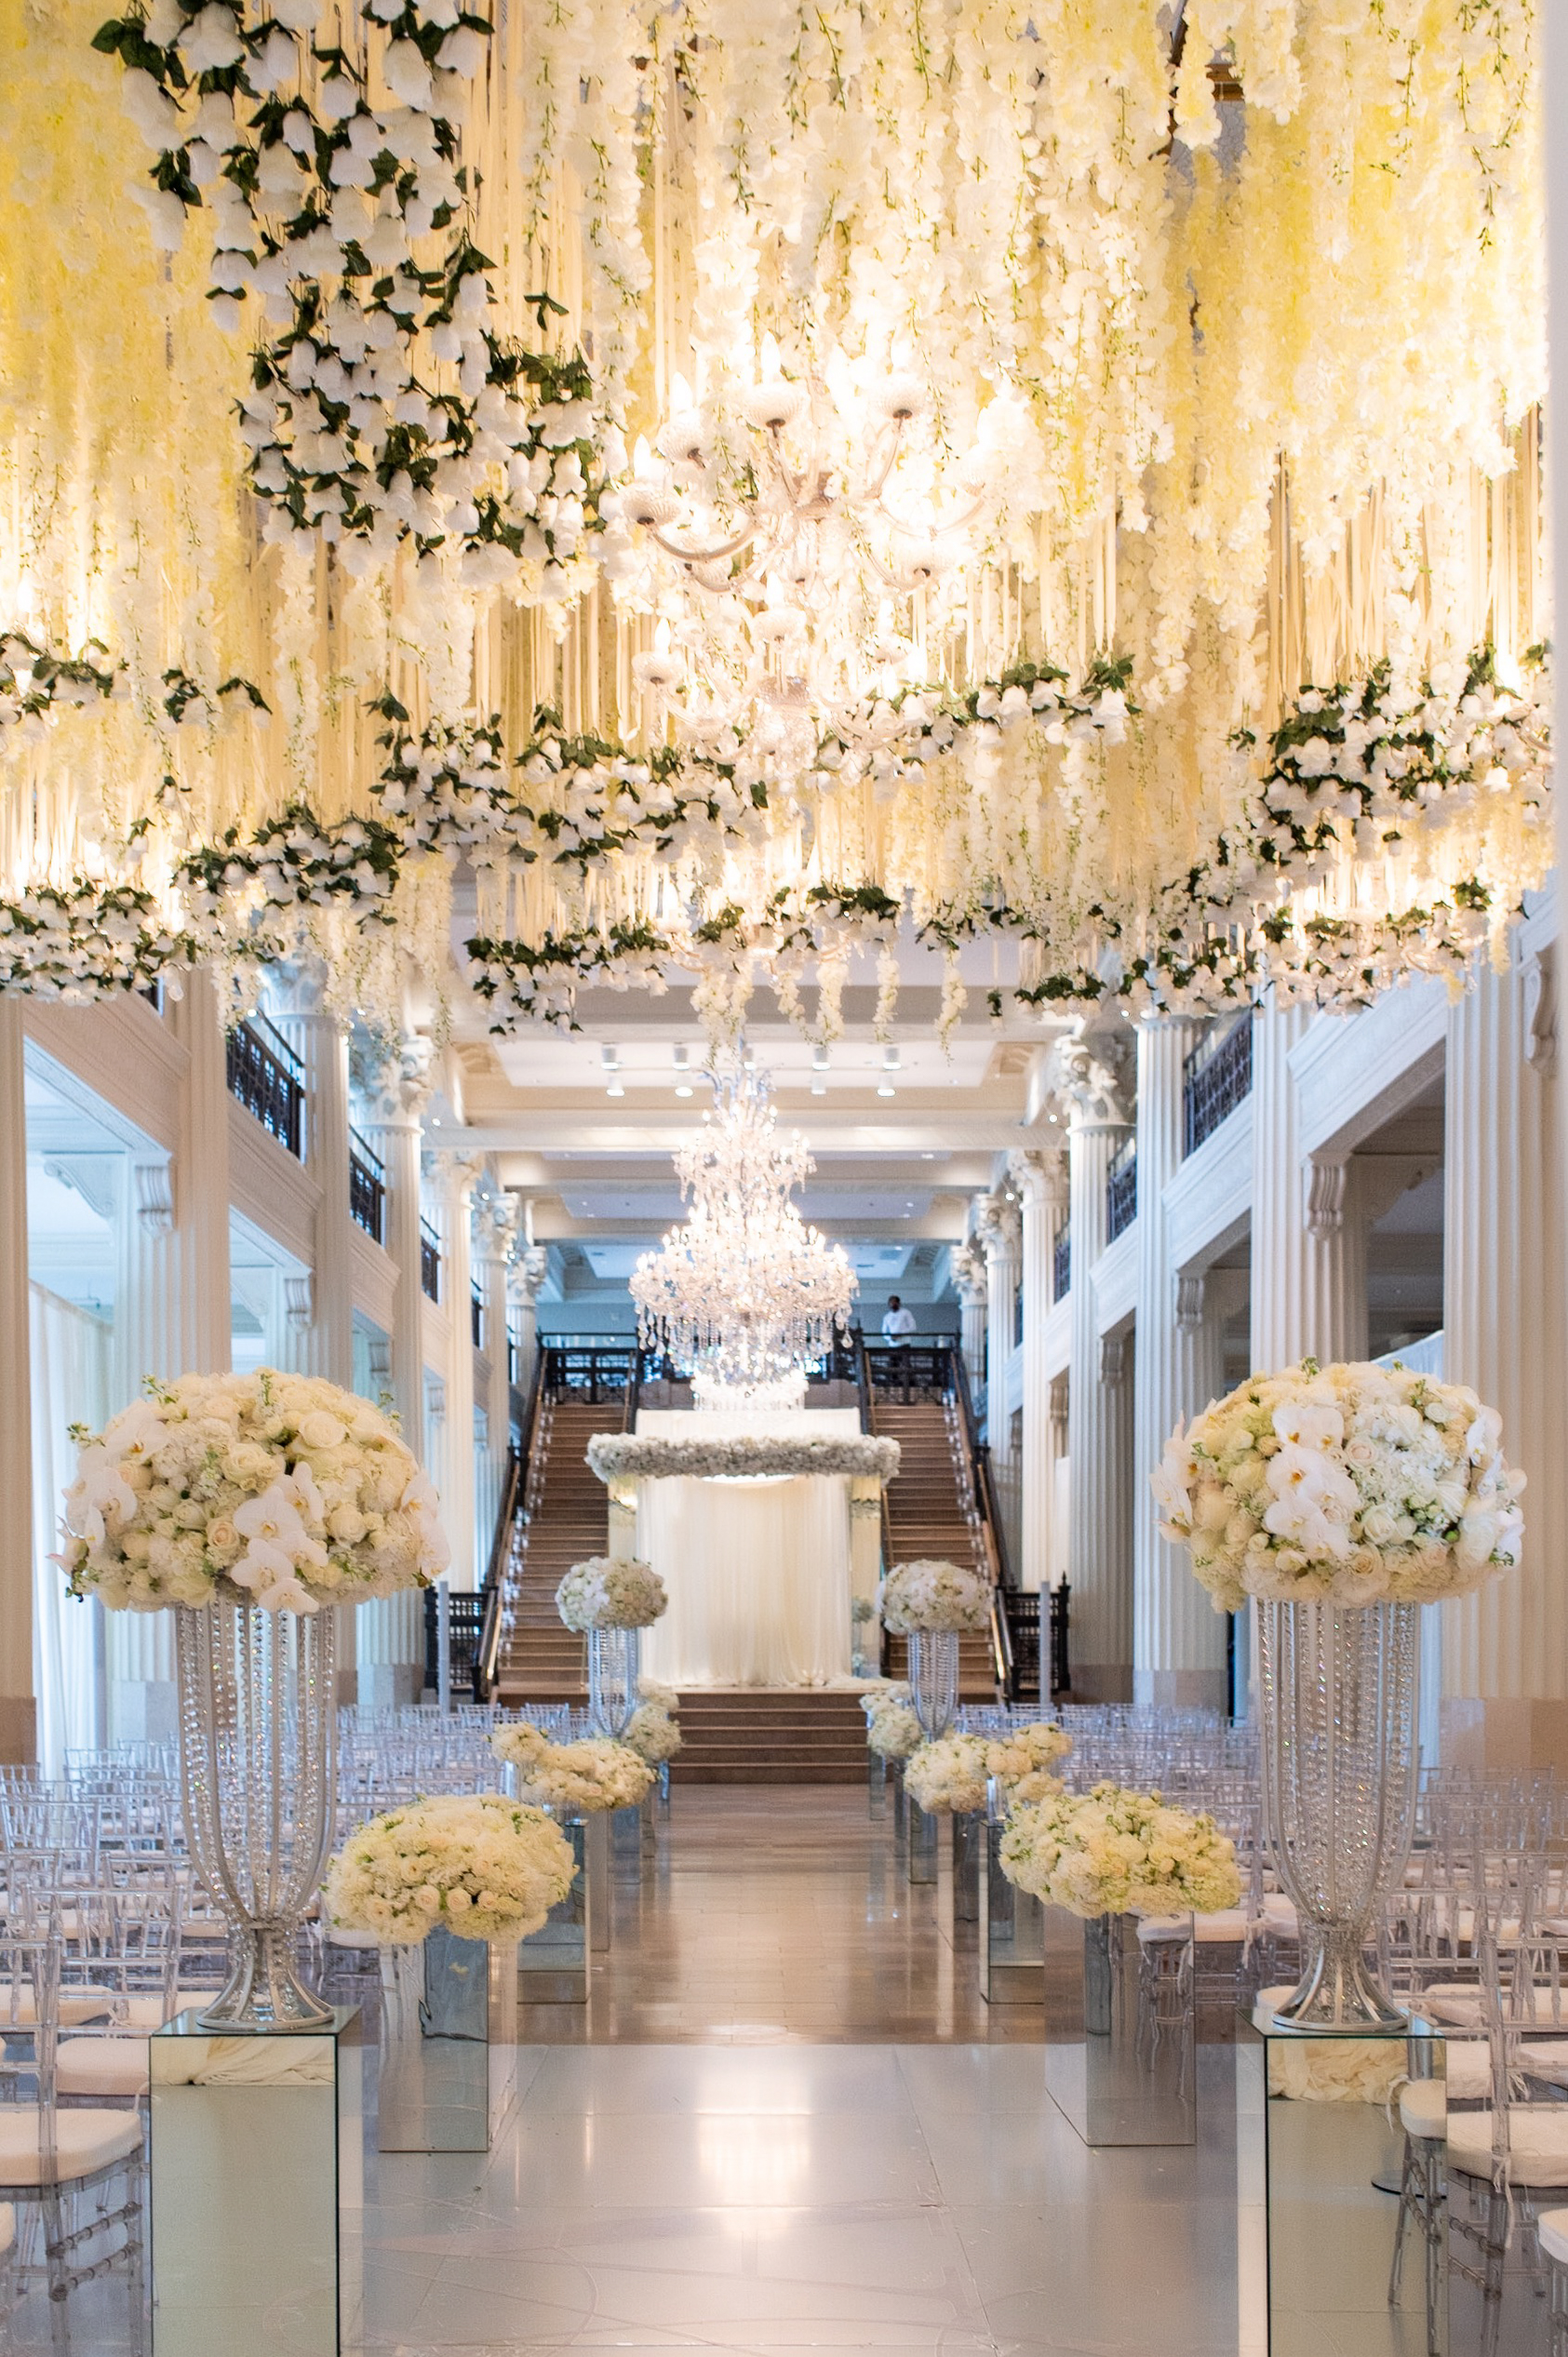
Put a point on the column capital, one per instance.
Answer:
(1091, 1087)
(298, 1300)
(1039, 1175)
(525, 1277)
(152, 1193)
(452, 1169)
(496, 1219)
(1191, 1287)
(1328, 1190)
(999, 1225)
(969, 1275)
(1113, 1361)
(400, 1084)
(1540, 1011)
(300, 986)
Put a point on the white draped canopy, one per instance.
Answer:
(758, 1572)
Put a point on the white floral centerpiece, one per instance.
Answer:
(610, 1591)
(891, 1728)
(578, 1778)
(632, 1456)
(933, 1595)
(655, 1730)
(1115, 1851)
(1357, 1484)
(481, 1866)
(277, 1490)
(952, 1771)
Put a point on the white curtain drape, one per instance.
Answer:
(758, 1580)
(70, 1386)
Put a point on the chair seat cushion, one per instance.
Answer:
(1467, 2065)
(337, 1937)
(87, 2003)
(101, 2067)
(1552, 2227)
(150, 2013)
(1424, 2107)
(1537, 2143)
(83, 2141)
(1546, 2058)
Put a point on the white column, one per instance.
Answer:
(1099, 1566)
(969, 1280)
(1505, 1650)
(173, 1316)
(457, 1180)
(1000, 1227)
(322, 1340)
(495, 1229)
(1056, 1450)
(1178, 1639)
(390, 1632)
(1040, 1183)
(17, 1711)
(524, 1284)
(1308, 1237)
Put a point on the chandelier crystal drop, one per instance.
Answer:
(744, 1292)
(803, 547)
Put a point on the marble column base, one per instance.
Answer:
(143, 1710)
(1102, 1681)
(1504, 1735)
(388, 1685)
(1180, 1689)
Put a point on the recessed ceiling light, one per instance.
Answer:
(886, 1089)
(616, 1088)
(683, 1087)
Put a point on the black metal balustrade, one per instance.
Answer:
(1216, 1078)
(1061, 1663)
(1023, 1621)
(476, 1317)
(429, 1262)
(1062, 1264)
(265, 1074)
(592, 1367)
(1121, 1190)
(367, 1188)
(466, 1611)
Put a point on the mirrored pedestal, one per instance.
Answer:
(929, 1843)
(1120, 2057)
(442, 2003)
(553, 1963)
(256, 2143)
(1011, 1930)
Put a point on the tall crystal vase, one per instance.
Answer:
(614, 1657)
(258, 1738)
(1338, 1687)
(933, 1679)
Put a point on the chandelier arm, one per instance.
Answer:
(871, 496)
(703, 555)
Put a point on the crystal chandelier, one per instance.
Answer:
(812, 557)
(744, 1292)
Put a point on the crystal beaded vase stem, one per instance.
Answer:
(933, 1679)
(1338, 1689)
(257, 1735)
(614, 1657)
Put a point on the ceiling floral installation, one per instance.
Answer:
(736, 484)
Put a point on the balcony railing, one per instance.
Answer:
(1216, 1078)
(1121, 1190)
(476, 1317)
(429, 1262)
(265, 1074)
(367, 1187)
(1062, 1264)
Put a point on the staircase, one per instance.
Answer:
(765, 1736)
(925, 1517)
(567, 1520)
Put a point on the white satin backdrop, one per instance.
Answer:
(70, 1385)
(757, 1572)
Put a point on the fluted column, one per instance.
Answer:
(1099, 1564)
(969, 1280)
(1309, 1234)
(524, 1284)
(1056, 1449)
(1505, 1650)
(17, 1711)
(1178, 1639)
(321, 1318)
(1041, 1182)
(390, 1636)
(999, 1228)
(457, 1180)
(495, 1229)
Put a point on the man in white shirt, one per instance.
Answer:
(899, 1323)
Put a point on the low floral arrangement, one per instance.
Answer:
(862, 1610)
(269, 1488)
(891, 1728)
(578, 1778)
(481, 1865)
(930, 1597)
(1114, 1852)
(653, 1733)
(952, 1771)
(610, 1591)
(626, 1457)
(1367, 1484)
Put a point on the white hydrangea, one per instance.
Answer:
(930, 1595)
(1115, 1851)
(481, 1865)
(577, 1778)
(953, 1771)
(891, 1727)
(269, 1488)
(610, 1591)
(1364, 1483)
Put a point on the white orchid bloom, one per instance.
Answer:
(1310, 1424)
(138, 1431)
(100, 1497)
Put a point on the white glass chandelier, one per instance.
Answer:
(802, 550)
(744, 1292)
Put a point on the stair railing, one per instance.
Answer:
(513, 1495)
(983, 1497)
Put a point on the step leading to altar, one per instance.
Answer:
(763, 1735)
